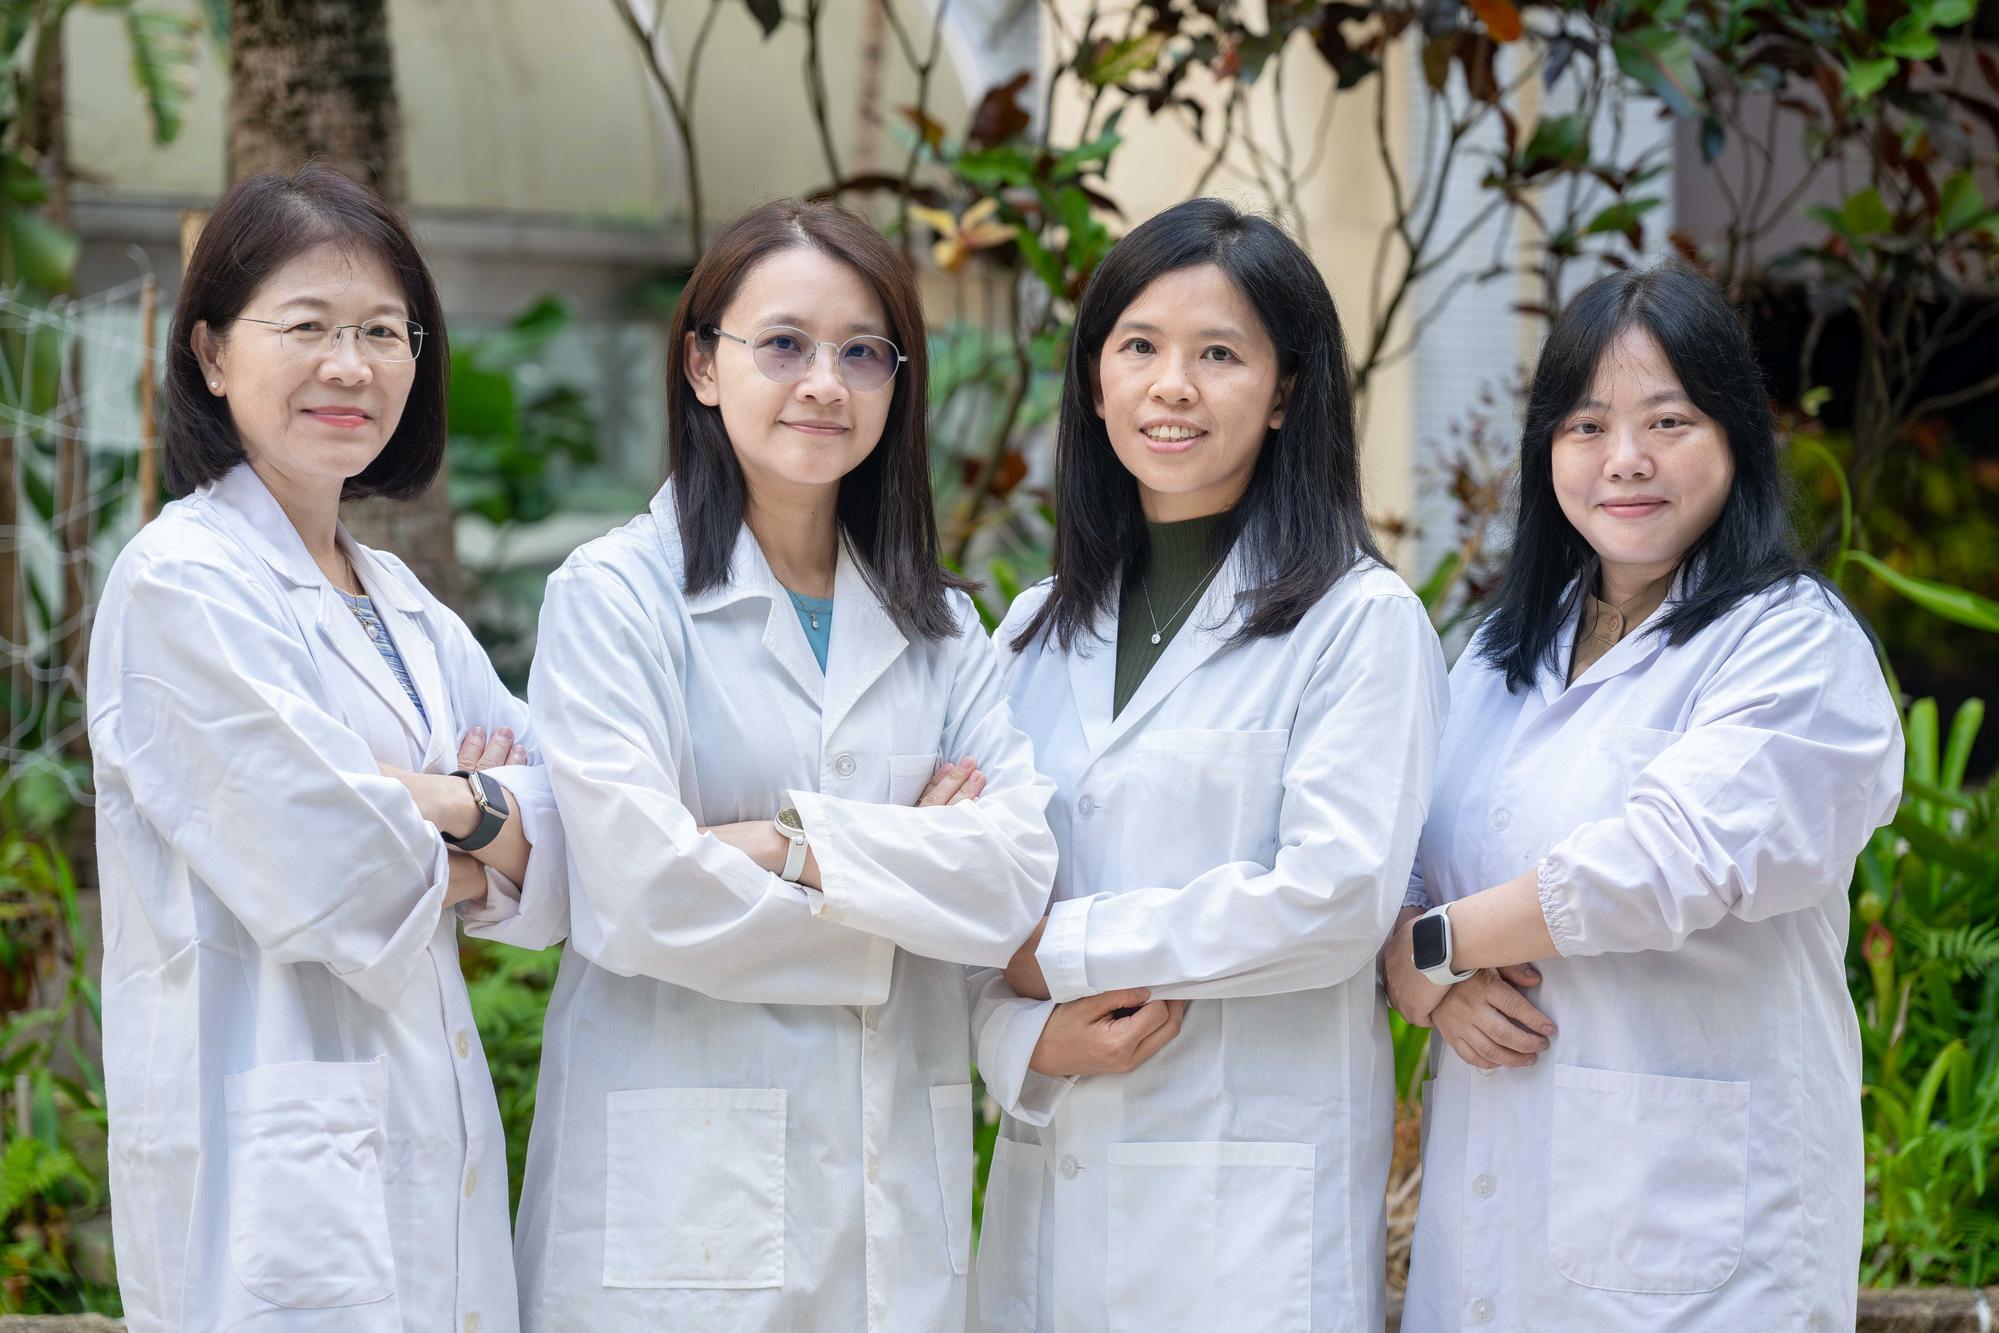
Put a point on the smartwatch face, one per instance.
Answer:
(1426, 940)
(788, 820)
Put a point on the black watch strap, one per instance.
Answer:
(492, 802)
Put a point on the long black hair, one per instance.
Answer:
(1299, 523)
(1748, 548)
(884, 505)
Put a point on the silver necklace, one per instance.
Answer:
(1145, 586)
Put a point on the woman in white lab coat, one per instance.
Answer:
(303, 1134)
(1667, 744)
(755, 1109)
(1239, 705)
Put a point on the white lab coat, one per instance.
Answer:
(1239, 835)
(303, 1131)
(1686, 1154)
(755, 1107)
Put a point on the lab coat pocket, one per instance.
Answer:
(308, 1215)
(1204, 798)
(694, 1187)
(951, 1125)
(1008, 1285)
(1211, 1235)
(908, 775)
(1648, 1181)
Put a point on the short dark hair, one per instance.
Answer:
(260, 224)
(884, 505)
(1300, 520)
(1749, 547)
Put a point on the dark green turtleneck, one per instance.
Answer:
(1183, 562)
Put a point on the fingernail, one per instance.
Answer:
(508, 732)
(479, 732)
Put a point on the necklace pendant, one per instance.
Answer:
(1155, 636)
(815, 622)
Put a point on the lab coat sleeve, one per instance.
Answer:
(1006, 1027)
(650, 893)
(276, 804)
(1416, 895)
(535, 913)
(964, 883)
(1791, 759)
(1357, 777)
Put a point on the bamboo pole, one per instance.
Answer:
(149, 436)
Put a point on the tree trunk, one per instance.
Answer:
(315, 79)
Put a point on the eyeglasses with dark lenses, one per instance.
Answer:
(785, 356)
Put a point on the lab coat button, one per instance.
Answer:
(1483, 1185)
(1086, 806)
(1500, 819)
(871, 1017)
(874, 1166)
(471, 1324)
(1481, 1311)
(1067, 1166)
(471, 1181)
(844, 765)
(463, 1045)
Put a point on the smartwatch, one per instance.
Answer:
(1430, 943)
(491, 800)
(792, 829)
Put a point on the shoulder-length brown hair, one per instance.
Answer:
(261, 224)
(884, 507)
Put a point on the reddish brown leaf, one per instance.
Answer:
(1501, 19)
(999, 117)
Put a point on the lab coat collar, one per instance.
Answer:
(865, 641)
(1640, 644)
(1093, 669)
(243, 500)
(240, 495)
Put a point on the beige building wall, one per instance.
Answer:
(546, 107)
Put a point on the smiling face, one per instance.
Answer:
(1640, 471)
(794, 440)
(317, 419)
(1187, 386)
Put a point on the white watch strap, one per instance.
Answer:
(1442, 974)
(794, 859)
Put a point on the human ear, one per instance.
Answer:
(700, 370)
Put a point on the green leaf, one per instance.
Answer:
(1439, 583)
(1864, 78)
(1556, 141)
(1120, 60)
(1864, 214)
(1814, 399)
(1959, 204)
(163, 62)
(36, 252)
(1910, 38)
(1938, 848)
(1620, 217)
(1950, 13)
(1663, 61)
(1045, 266)
(990, 168)
(1939, 599)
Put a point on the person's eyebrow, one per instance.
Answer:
(1220, 333)
(316, 303)
(854, 329)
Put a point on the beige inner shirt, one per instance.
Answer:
(1602, 624)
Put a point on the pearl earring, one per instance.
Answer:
(215, 384)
